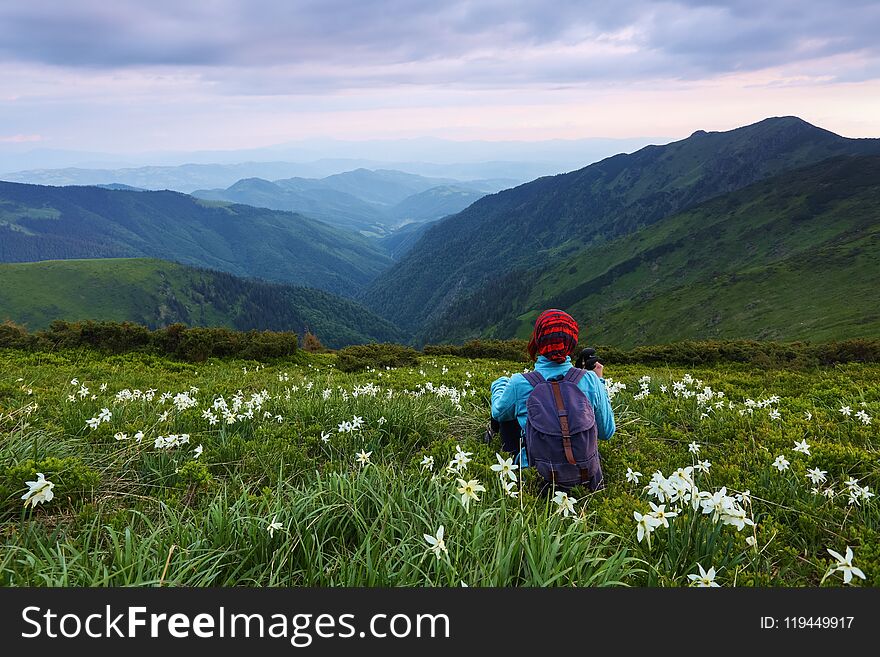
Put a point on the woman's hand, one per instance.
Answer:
(598, 369)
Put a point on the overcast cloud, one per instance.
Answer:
(69, 58)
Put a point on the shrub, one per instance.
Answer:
(498, 349)
(15, 336)
(764, 354)
(311, 343)
(176, 340)
(360, 357)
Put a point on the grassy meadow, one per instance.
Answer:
(293, 473)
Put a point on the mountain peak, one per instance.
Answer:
(785, 123)
(254, 183)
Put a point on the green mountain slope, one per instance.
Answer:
(156, 293)
(403, 239)
(796, 256)
(551, 218)
(51, 223)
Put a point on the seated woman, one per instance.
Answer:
(553, 340)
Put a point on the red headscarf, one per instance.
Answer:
(555, 336)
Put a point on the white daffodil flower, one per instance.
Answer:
(646, 525)
(662, 516)
(565, 503)
(704, 579)
(816, 475)
(504, 467)
(844, 565)
(274, 526)
(632, 476)
(436, 543)
(802, 447)
(510, 488)
(39, 491)
(781, 463)
(468, 491)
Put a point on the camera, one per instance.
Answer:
(587, 359)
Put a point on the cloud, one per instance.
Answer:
(19, 139)
(236, 73)
(265, 46)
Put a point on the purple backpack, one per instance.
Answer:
(561, 434)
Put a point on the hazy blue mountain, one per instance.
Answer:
(328, 205)
(371, 202)
(434, 203)
(319, 157)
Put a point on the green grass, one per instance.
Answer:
(127, 513)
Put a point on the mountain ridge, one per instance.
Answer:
(545, 220)
(740, 265)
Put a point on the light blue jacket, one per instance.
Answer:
(509, 395)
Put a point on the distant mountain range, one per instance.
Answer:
(49, 223)
(448, 285)
(156, 293)
(311, 158)
(371, 202)
(767, 231)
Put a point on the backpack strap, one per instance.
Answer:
(563, 422)
(534, 377)
(574, 375)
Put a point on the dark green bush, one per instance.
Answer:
(176, 340)
(690, 353)
(199, 344)
(15, 336)
(113, 337)
(360, 357)
(498, 349)
(763, 354)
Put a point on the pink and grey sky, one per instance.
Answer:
(129, 75)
